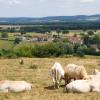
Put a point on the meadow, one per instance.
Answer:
(36, 71)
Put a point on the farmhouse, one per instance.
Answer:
(75, 39)
(41, 37)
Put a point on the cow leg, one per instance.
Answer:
(57, 85)
(54, 83)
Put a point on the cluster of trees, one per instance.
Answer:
(48, 27)
(53, 49)
(91, 38)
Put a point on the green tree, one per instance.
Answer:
(86, 39)
(4, 35)
(65, 32)
(97, 38)
(90, 33)
(17, 41)
(23, 33)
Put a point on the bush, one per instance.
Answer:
(17, 41)
(80, 52)
(23, 51)
(76, 46)
(46, 50)
(4, 35)
(65, 48)
(52, 49)
(7, 53)
(1, 53)
(33, 66)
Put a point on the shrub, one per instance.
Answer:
(1, 52)
(7, 53)
(4, 35)
(52, 49)
(23, 51)
(90, 33)
(17, 41)
(46, 50)
(76, 46)
(65, 48)
(33, 66)
(80, 52)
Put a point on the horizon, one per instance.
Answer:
(50, 16)
(46, 8)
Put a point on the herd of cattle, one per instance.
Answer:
(75, 77)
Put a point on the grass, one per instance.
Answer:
(5, 44)
(41, 80)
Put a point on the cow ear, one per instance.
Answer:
(96, 71)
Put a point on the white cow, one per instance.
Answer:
(74, 72)
(92, 84)
(18, 86)
(79, 86)
(14, 86)
(57, 74)
(83, 86)
(4, 86)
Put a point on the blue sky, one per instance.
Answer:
(41, 8)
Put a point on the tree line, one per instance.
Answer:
(48, 27)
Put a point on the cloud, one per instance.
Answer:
(11, 2)
(86, 1)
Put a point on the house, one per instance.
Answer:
(75, 39)
(41, 37)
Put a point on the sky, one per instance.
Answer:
(43, 8)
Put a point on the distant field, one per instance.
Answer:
(4, 44)
(41, 80)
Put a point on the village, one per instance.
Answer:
(73, 37)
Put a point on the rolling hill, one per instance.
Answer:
(24, 20)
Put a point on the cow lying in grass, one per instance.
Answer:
(14, 86)
(84, 86)
(57, 73)
(74, 72)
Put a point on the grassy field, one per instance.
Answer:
(4, 44)
(36, 71)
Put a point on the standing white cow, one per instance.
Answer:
(74, 72)
(14, 86)
(57, 74)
